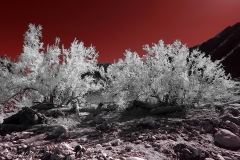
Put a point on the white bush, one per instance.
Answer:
(169, 73)
(47, 76)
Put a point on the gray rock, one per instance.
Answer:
(116, 142)
(207, 126)
(128, 148)
(147, 146)
(122, 151)
(164, 137)
(227, 139)
(83, 149)
(233, 126)
(219, 157)
(133, 138)
(156, 144)
(104, 126)
(216, 122)
(196, 151)
(153, 138)
(98, 146)
(59, 131)
(83, 140)
(138, 141)
(106, 144)
(78, 148)
(109, 148)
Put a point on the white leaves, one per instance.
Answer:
(171, 70)
(31, 37)
(46, 73)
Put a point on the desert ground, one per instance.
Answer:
(204, 133)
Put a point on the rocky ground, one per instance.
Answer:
(130, 135)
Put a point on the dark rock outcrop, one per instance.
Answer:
(225, 45)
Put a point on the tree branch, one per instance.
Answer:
(20, 92)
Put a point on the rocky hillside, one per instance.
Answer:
(225, 44)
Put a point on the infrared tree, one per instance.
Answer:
(50, 75)
(171, 74)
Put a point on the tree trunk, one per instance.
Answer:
(45, 99)
(51, 98)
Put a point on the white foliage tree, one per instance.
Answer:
(171, 74)
(126, 78)
(44, 76)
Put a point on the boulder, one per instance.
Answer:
(187, 152)
(207, 126)
(227, 139)
(233, 127)
(59, 131)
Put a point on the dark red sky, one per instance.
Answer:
(113, 26)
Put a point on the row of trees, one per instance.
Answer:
(170, 73)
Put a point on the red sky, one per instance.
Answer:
(113, 26)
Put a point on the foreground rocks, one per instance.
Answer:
(228, 139)
(202, 135)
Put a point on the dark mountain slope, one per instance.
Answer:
(225, 44)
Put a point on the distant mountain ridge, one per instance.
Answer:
(225, 44)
